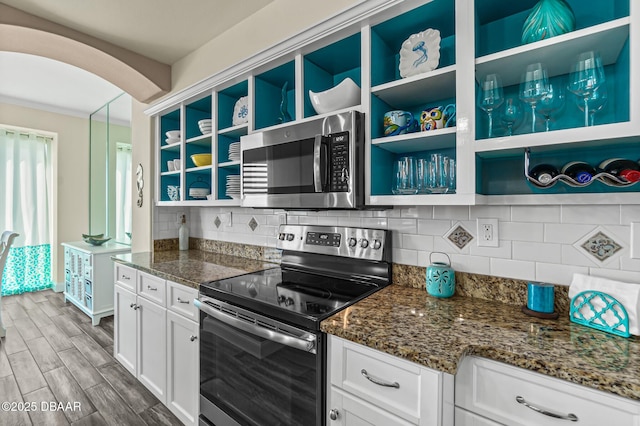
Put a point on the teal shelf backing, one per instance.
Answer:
(166, 181)
(169, 121)
(387, 38)
(379, 108)
(616, 110)
(268, 95)
(194, 112)
(382, 166)
(167, 156)
(499, 25)
(227, 99)
(222, 174)
(600, 311)
(505, 175)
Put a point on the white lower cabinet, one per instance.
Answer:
(513, 396)
(156, 338)
(183, 360)
(369, 387)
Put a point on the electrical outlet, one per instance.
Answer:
(179, 217)
(487, 232)
(226, 218)
(282, 218)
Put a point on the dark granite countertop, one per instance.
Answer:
(438, 333)
(191, 267)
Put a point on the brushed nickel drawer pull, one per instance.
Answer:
(124, 277)
(570, 416)
(183, 301)
(192, 338)
(378, 381)
(152, 288)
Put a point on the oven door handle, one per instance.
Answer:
(257, 330)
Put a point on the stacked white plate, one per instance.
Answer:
(199, 192)
(173, 136)
(205, 126)
(233, 186)
(234, 151)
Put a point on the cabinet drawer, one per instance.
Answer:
(125, 276)
(350, 410)
(490, 389)
(180, 300)
(152, 288)
(465, 418)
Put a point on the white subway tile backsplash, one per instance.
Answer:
(629, 213)
(405, 257)
(407, 226)
(520, 231)
(417, 242)
(565, 233)
(473, 264)
(600, 214)
(502, 251)
(538, 214)
(558, 274)
(517, 269)
(536, 242)
(433, 226)
(537, 252)
(499, 212)
(451, 212)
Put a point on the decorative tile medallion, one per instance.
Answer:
(253, 224)
(601, 246)
(217, 222)
(459, 236)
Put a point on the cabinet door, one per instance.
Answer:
(349, 410)
(152, 347)
(183, 361)
(124, 329)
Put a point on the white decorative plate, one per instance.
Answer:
(420, 53)
(241, 112)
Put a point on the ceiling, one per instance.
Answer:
(164, 30)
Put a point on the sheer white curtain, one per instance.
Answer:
(123, 191)
(25, 188)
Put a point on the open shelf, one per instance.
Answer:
(227, 100)
(436, 84)
(194, 112)
(418, 141)
(271, 89)
(235, 131)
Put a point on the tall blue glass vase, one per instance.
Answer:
(547, 19)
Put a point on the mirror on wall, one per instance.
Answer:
(110, 170)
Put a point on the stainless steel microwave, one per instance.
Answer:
(317, 164)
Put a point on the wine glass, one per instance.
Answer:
(512, 114)
(533, 87)
(552, 102)
(586, 76)
(596, 102)
(490, 97)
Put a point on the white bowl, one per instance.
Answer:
(344, 95)
(205, 122)
(171, 141)
(173, 134)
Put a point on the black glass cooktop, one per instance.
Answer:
(299, 298)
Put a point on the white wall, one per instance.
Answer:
(71, 166)
(536, 242)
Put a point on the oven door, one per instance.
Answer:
(256, 371)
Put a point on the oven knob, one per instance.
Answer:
(376, 244)
(364, 243)
(281, 236)
(289, 237)
(352, 242)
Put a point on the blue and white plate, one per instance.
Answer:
(420, 53)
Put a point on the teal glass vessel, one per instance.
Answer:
(548, 18)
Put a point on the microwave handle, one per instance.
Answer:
(317, 164)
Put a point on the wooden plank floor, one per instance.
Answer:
(52, 355)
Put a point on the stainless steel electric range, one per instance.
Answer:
(262, 354)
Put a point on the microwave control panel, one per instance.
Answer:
(339, 143)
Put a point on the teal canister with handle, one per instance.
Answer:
(441, 278)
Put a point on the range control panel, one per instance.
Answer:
(359, 243)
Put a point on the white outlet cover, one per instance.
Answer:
(495, 241)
